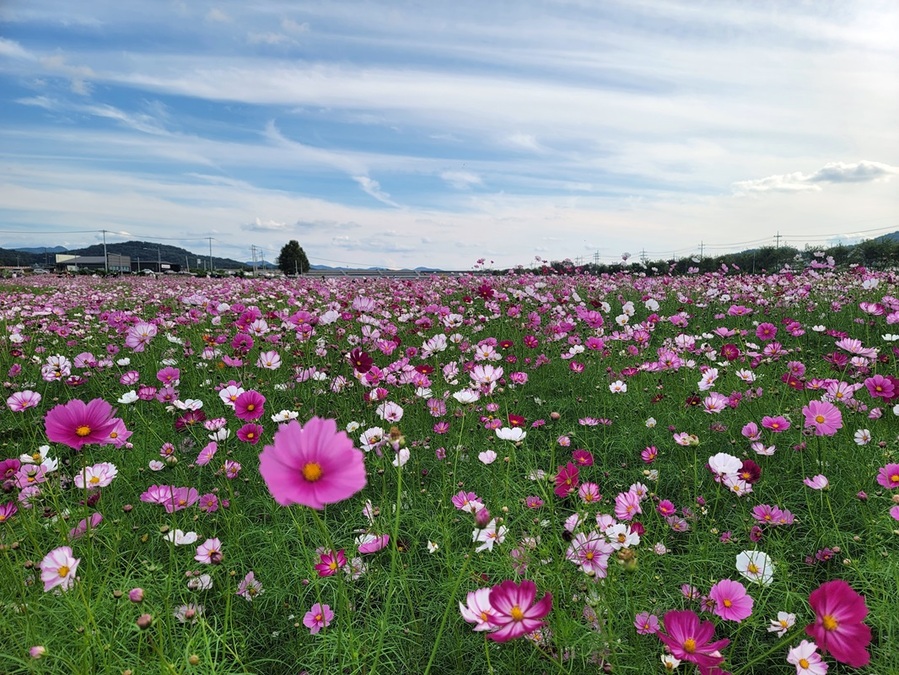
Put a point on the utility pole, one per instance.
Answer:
(253, 255)
(643, 256)
(105, 255)
(187, 264)
(210, 254)
(777, 240)
(159, 258)
(701, 249)
(596, 257)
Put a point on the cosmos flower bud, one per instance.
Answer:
(482, 518)
(136, 595)
(144, 621)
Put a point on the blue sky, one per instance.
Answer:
(399, 133)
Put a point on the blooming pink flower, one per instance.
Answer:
(516, 612)
(467, 501)
(330, 563)
(838, 628)
(77, 423)
(627, 505)
(250, 433)
(818, 482)
(732, 603)
(58, 569)
(96, 476)
(690, 640)
(23, 400)
(207, 453)
(646, 623)
(372, 543)
(249, 406)
(249, 587)
(591, 553)
(889, 476)
(209, 552)
(824, 417)
(882, 387)
(806, 659)
(318, 617)
(83, 525)
(566, 480)
(478, 610)
(312, 464)
(7, 511)
(777, 424)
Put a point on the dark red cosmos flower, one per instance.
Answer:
(360, 361)
(516, 420)
(750, 471)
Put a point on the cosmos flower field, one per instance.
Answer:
(511, 473)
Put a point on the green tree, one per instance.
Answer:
(292, 259)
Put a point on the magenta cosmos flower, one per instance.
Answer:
(889, 476)
(77, 423)
(690, 640)
(249, 406)
(824, 417)
(318, 617)
(312, 464)
(514, 609)
(838, 627)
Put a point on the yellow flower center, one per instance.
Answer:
(312, 471)
(94, 480)
(589, 555)
(251, 407)
(83, 431)
(894, 478)
(63, 570)
(752, 569)
(829, 622)
(484, 617)
(2, 517)
(803, 663)
(37, 458)
(332, 565)
(727, 602)
(516, 613)
(318, 617)
(689, 645)
(819, 419)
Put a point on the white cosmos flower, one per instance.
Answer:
(466, 396)
(401, 457)
(513, 434)
(128, 397)
(180, 538)
(756, 566)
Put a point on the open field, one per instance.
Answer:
(591, 466)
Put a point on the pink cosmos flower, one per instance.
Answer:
(467, 501)
(690, 640)
(207, 453)
(818, 482)
(777, 424)
(330, 563)
(23, 400)
(646, 623)
(627, 505)
(7, 511)
(372, 543)
(249, 587)
(96, 476)
(83, 525)
(824, 417)
(250, 433)
(58, 569)
(312, 464)
(77, 423)
(838, 628)
(209, 552)
(732, 603)
(516, 612)
(249, 406)
(318, 617)
(591, 553)
(889, 476)
(478, 610)
(806, 659)
(566, 480)
(882, 387)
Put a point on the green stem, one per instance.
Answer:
(449, 606)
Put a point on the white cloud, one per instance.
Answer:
(461, 179)
(373, 188)
(259, 225)
(13, 49)
(833, 172)
(218, 16)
